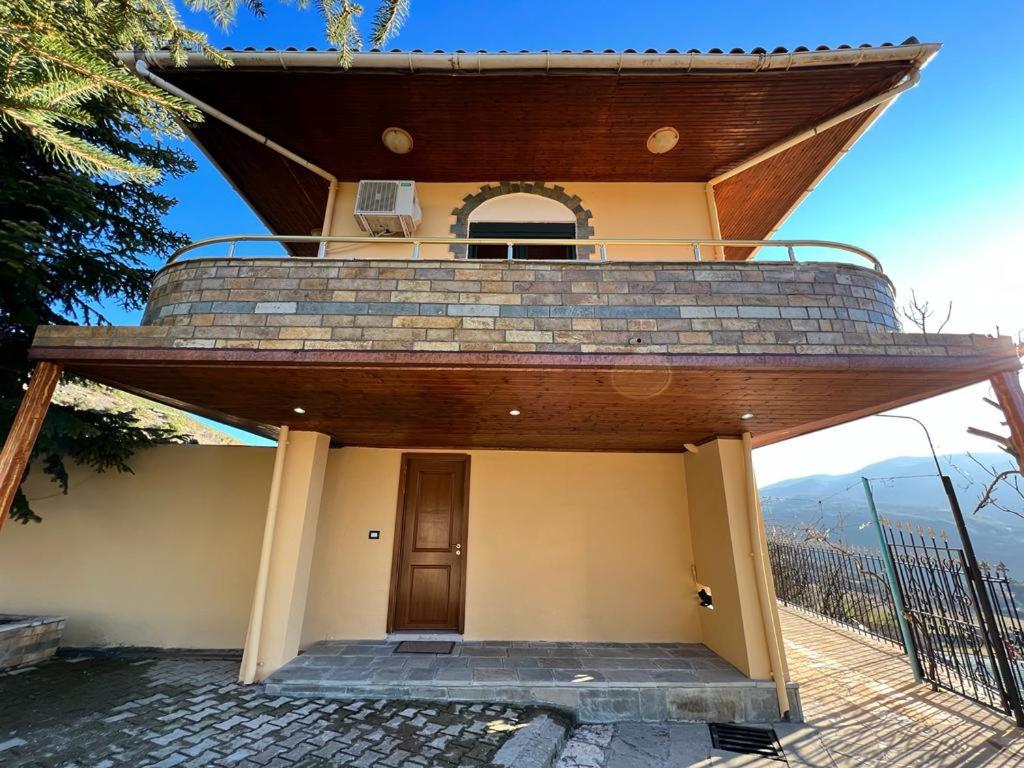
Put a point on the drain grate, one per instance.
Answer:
(424, 646)
(747, 740)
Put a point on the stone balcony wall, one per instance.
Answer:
(567, 307)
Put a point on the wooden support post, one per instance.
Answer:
(1011, 400)
(24, 430)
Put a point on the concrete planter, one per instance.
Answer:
(28, 639)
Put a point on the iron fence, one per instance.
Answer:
(844, 584)
(956, 647)
(1008, 619)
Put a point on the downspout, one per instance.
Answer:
(762, 573)
(912, 79)
(202, 106)
(326, 229)
(250, 653)
(143, 70)
(716, 227)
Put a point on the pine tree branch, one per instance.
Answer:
(391, 14)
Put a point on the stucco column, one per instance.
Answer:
(276, 624)
(719, 498)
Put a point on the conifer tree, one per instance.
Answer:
(84, 144)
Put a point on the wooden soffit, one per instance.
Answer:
(567, 402)
(564, 126)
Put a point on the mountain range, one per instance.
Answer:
(908, 489)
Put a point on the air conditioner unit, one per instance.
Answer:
(387, 207)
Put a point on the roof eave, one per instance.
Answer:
(917, 54)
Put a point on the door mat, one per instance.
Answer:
(746, 740)
(424, 646)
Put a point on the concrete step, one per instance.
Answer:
(753, 701)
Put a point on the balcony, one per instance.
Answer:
(567, 307)
(588, 354)
(574, 307)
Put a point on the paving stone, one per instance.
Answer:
(184, 712)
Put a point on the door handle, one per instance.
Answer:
(458, 550)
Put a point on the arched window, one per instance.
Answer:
(522, 211)
(519, 216)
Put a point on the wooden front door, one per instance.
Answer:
(429, 564)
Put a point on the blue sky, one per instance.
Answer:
(934, 188)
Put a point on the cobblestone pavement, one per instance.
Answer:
(188, 712)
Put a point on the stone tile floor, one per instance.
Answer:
(493, 662)
(596, 682)
(168, 712)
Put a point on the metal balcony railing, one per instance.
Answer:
(600, 245)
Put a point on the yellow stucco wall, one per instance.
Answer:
(716, 486)
(620, 210)
(166, 556)
(561, 546)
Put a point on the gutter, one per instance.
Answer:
(412, 61)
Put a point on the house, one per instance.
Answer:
(523, 335)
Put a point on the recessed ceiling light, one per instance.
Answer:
(746, 416)
(398, 140)
(662, 140)
(514, 412)
(299, 410)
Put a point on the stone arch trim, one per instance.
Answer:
(584, 225)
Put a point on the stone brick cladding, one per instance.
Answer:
(28, 639)
(485, 306)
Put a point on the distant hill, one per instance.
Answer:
(836, 503)
(98, 397)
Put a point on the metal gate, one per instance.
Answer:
(957, 646)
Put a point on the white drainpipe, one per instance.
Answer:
(908, 83)
(716, 226)
(144, 72)
(202, 106)
(326, 229)
(250, 654)
(762, 573)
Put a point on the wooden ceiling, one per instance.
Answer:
(568, 402)
(527, 126)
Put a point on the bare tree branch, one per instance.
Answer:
(1004, 442)
(987, 499)
(918, 313)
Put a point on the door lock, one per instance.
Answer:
(458, 550)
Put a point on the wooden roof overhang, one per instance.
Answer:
(577, 119)
(567, 402)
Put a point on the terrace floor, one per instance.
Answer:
(862, 708)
